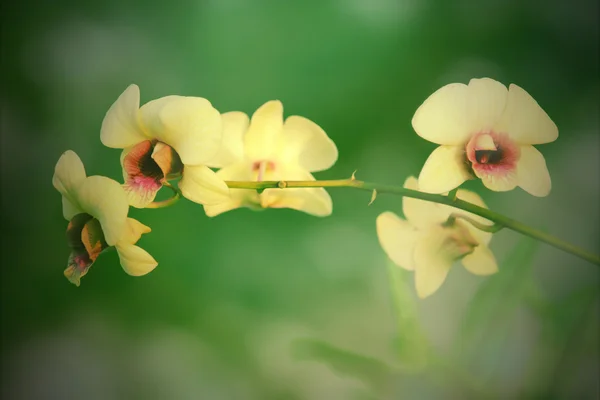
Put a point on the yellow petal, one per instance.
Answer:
(432, 263)
(69, 209)
(135, 260)
(397, 238)
(213, 211)
(532, 172)
(133, 231)
(191, 125)
(264, 132)
(444, 170)
(202, 185)
(481, 261)
(524, 120)
(421, 213)
(485, 104)
(442, 118)
(121, 125)
(238, 197)
(473, 198)
(305, 143)
(314, 201)
(68, 173)
(105, 200)
(235, 126)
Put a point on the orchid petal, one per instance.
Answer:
(202, 185)
(191, 125)
(486, 102)
(314, 201)
(532, 172)
(238, 197)
(307, 144)
(135, 260)
(421, 213)
(105, 200)
(444, 170)
(473, 198)
(481, 261)
(442, 118)
(69, 209)
(264, 131)
(133, 231)
(524, 120)
(397, 238)
(68, 173)
(432, 263)
(121, 125)
(235, 126)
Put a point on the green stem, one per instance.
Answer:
(483, 227)
(168, 202)
(498, 219)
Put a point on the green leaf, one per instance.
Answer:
(373, 372)
(488, 317)
(410, 343)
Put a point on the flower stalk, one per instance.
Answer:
(168, 202)
(498, 219)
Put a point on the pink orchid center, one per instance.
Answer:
(86, 240)
(262, 168)
(492, 153)
(150, 163)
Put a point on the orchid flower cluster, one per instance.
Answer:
(225, 161)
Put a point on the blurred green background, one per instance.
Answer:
(219, 316)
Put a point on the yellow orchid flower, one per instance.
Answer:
(266, 148)
(164, 139)
(426, 244)
(487, 130)
(96, 208)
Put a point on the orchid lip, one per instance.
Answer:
(148, 165)
(492, 153)
(86, 240)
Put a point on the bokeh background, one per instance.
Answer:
(279, 304)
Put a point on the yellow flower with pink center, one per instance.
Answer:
(167, 138)
(488, 131)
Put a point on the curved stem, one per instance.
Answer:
(483, 227)
(168, 202)
(498, 219)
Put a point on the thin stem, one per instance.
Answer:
(498, 219)
(168, 202)
(483, 227)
